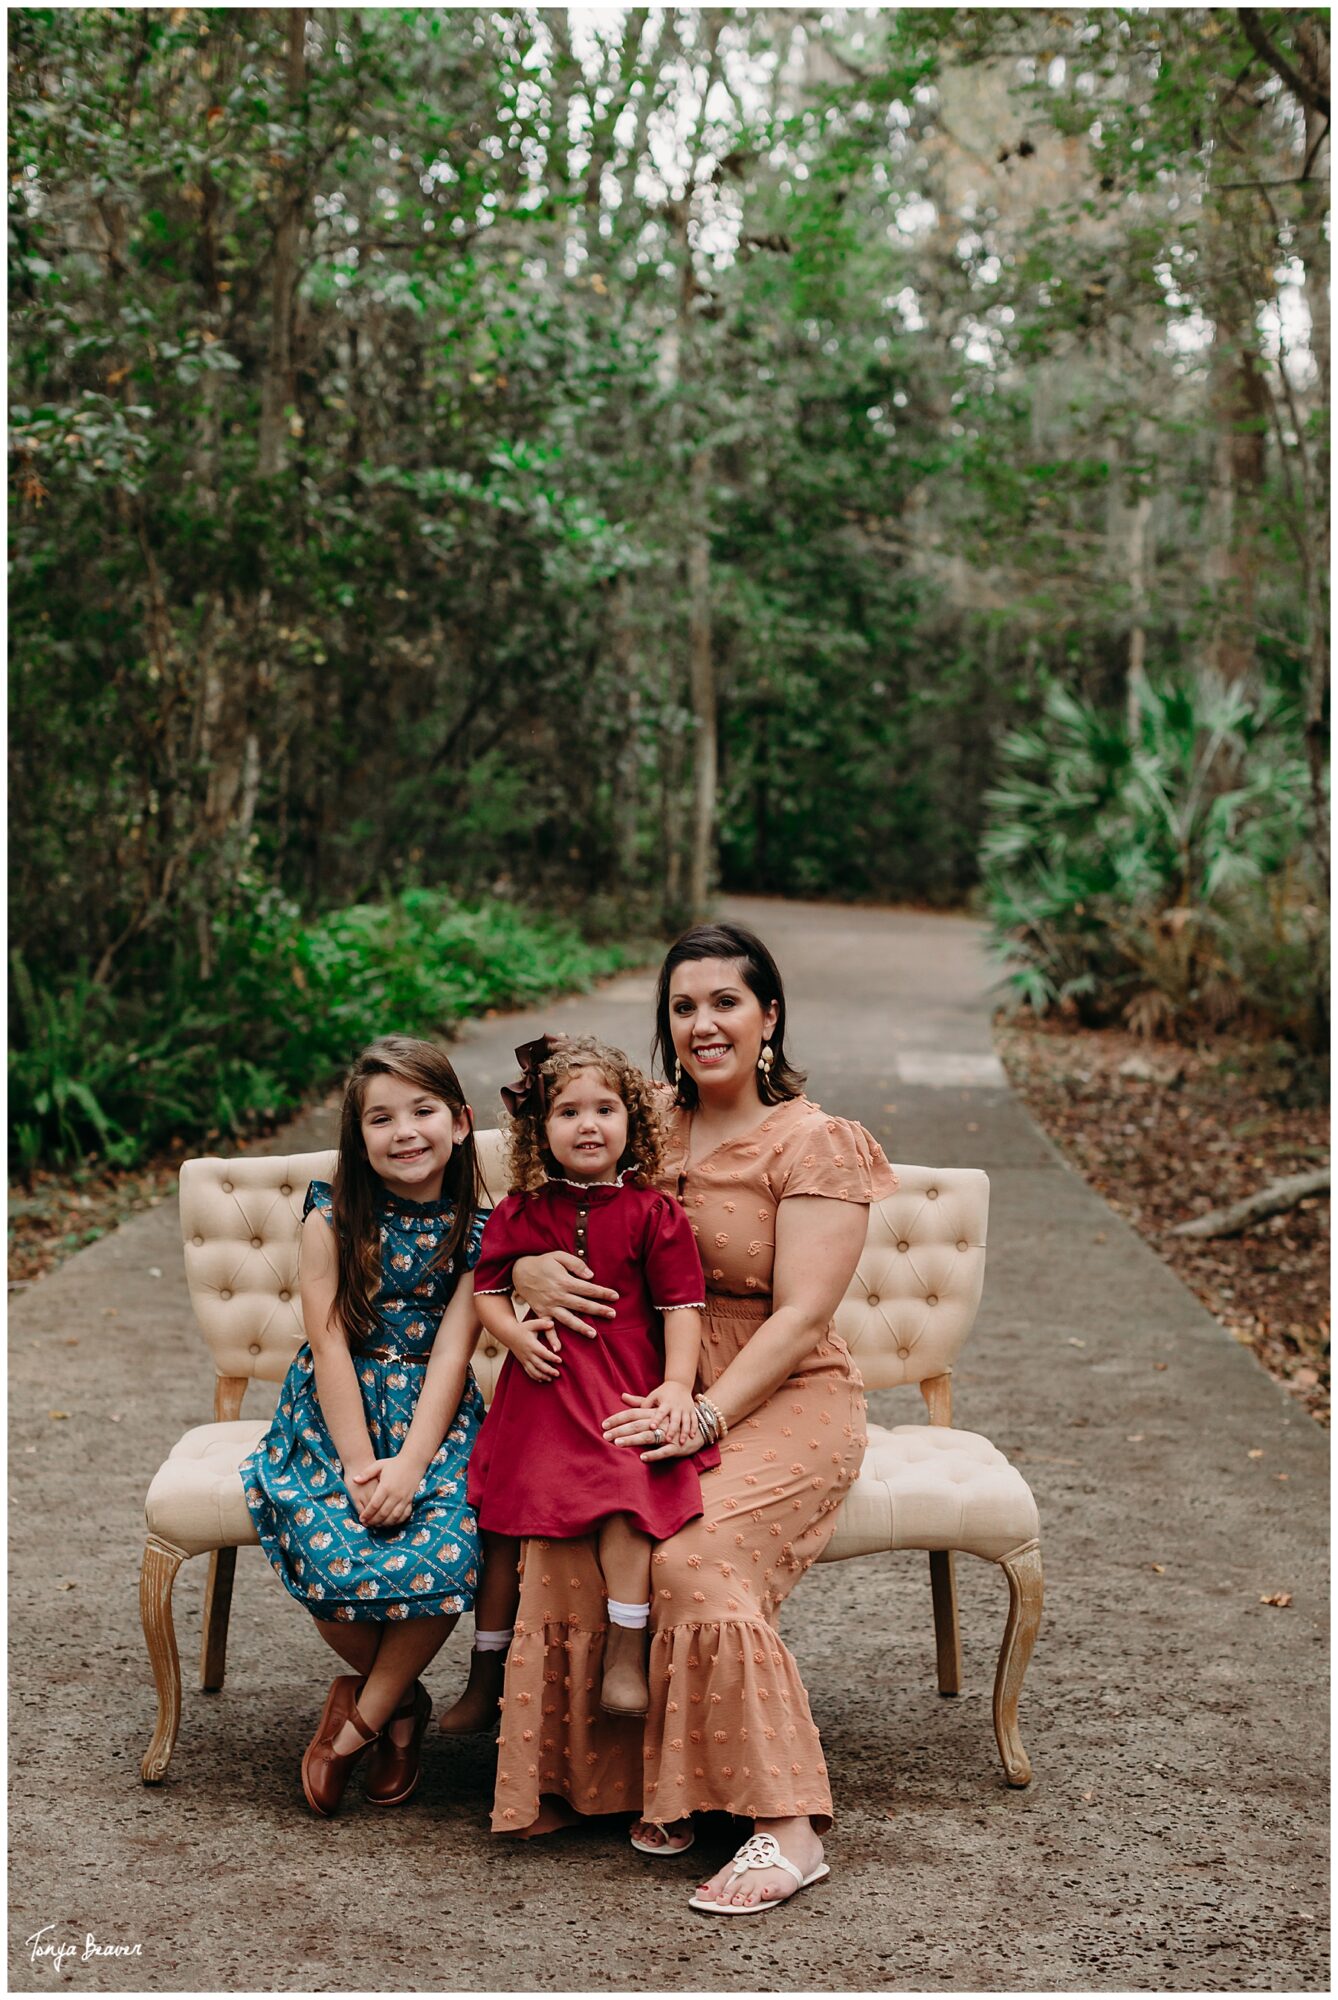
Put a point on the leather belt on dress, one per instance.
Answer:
(405, 1360)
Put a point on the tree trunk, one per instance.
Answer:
(627, 747)
(1312, 244)
(701, 681)
(1240, 408)
(671, 769)
(278, 390)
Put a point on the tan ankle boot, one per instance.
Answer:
(625, 1690)
(481, 1703)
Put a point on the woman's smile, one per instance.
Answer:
(711, 1052)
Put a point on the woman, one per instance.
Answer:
(777, 1194)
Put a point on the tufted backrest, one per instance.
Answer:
(909, 1307)
(913, 1298)
(241, 1225)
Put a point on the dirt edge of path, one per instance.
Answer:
(1165, 1133)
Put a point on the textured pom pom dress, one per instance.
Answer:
(542, 1465)
(729, 1727)
(294, 1481)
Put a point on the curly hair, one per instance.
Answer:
(528, 1160)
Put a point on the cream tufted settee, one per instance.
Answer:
(908, 1310)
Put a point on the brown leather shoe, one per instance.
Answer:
(324, 1772)
(393, 1769)
(625, 1690)
(481, 1703)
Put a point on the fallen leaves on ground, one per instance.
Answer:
(55, 1214)
(1280, 1600)
(1186, 1130)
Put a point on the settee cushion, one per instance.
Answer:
(196, 1501)
(924, 1486)
(921, 1487)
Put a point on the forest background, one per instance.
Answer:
(481, 481)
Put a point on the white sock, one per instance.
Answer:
(493, 1642)
(633, 1616)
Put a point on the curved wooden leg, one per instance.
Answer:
(156, 1577)
(1026, 1591)
(217, 1608)
(947, 1638)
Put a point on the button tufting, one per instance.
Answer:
(490, 1349)
(932, 1193)
(963, 1245)
(286, 1188)
(225, 1295)
(904, 1352)
(873, 1298)
(903, 1246)
(255, 1347)
(285, 1296)
(931, 1298)
(256, 1243)
(226, 1186)
(197, 1241)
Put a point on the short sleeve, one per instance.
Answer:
(320, 1195)
(837, 1158)
(672, 1263)
(473, 1244)
(495, 1249)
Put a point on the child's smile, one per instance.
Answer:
(586, 1128)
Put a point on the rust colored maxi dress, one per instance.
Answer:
(729, 1728)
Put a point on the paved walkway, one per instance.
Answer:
(1174, 1836)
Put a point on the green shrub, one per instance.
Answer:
(287, 1003)
(1160, 875)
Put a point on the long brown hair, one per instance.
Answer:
(357, 1190)
(761, 975)
(528, 1160)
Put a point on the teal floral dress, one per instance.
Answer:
(294, 1481)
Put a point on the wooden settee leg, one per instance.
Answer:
(156, 1577)
(1026, 1591)
(217, 1610)
(947, 1638)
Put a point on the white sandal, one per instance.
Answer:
(667, 1849)
(760, 1850)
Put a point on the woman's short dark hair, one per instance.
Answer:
(762, 976)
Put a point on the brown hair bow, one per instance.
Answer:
(527, 1092)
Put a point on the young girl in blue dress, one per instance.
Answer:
(358, 1488)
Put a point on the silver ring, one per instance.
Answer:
(657, 1437)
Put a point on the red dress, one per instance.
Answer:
(541, 1465)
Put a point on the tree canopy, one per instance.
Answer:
(598, 457)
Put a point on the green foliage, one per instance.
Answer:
(1153, 871)
(286, 1007)
(363, 380)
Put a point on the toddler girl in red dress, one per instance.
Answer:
(584, 1153)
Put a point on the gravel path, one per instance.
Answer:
(1174, 1836)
